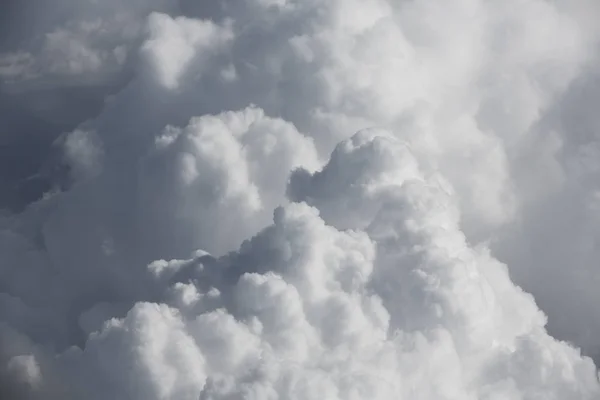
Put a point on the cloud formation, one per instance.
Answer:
(305, 310)
(303, 199)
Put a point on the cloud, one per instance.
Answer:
(284, 199)
(90, 41)
(173, 44)
(304, 309)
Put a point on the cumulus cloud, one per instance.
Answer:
(304, 310)
(303, 199)
(173, 45)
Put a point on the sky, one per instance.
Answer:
(299, 199)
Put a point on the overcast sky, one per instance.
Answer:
(299, 199)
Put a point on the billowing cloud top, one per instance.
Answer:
(280, 199)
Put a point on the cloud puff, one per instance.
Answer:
(173, 44)
(220, 179)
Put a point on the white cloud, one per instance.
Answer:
(83, 152)
(402, 309)
(221, 182)
(25, 367)
(174, 43)
(366, 268)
